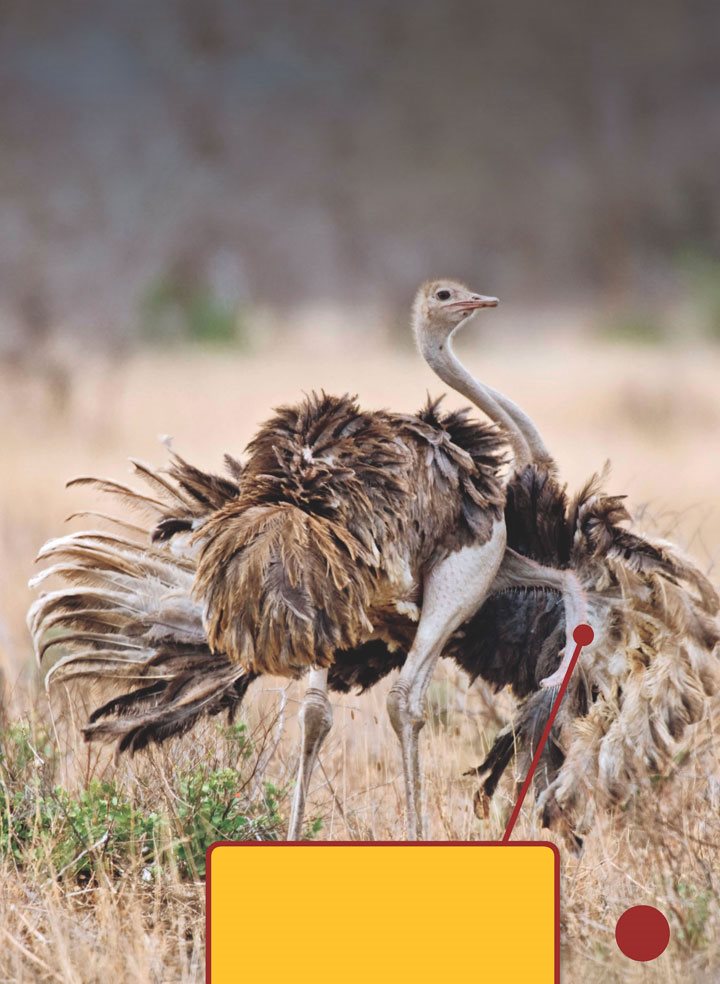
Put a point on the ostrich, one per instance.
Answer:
(649, 674)
(132, 614)
(343, 527)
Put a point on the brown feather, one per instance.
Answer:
(305, 550)
(338, 513)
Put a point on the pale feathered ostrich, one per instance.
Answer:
(648, 676)
(342, 527)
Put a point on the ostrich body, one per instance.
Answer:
(344, 522)
(342, 528)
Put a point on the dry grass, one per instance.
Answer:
(655, 413)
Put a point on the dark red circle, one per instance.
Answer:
(642, 933)
(583, 634)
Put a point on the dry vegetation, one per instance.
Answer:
(136, 914)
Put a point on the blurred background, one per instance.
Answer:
(170, 168)
(207, 208)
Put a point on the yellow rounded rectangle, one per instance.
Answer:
(390, 912)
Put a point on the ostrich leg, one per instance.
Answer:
(517, 570)
(452, 592)
(316, 720)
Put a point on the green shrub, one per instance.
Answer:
(174, 312)
(695, 911)
(633, 327)
(72, 833)
(701, 273)
(210, 810)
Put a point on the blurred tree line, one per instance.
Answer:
(160, 156)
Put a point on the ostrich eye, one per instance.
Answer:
(443, 295)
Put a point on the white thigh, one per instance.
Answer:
(455, 589)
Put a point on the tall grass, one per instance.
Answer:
(104, 874)
(101, 862)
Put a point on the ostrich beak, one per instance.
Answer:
(475, 302)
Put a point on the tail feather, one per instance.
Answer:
(124, 617)
(206, 489)
(167, 709)
(174, 495)
(137, 531)
(128, 496)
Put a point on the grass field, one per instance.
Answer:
(654, 412)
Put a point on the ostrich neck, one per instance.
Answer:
(445, 364)
(539, 454)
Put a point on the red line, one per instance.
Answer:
(541, 744)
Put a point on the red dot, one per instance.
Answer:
(642, 933)
(583, 634)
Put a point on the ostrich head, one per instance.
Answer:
(440, 306)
